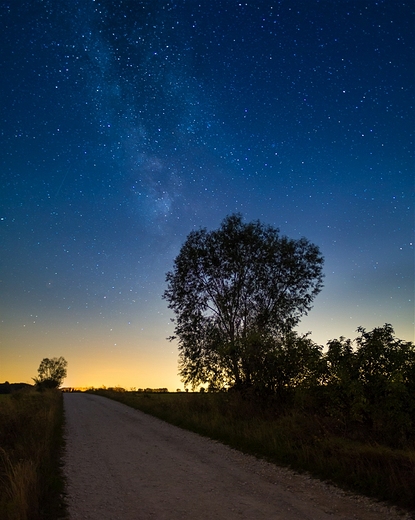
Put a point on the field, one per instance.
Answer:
(30, 443)
(287, 435)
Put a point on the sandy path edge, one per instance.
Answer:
(121, 464)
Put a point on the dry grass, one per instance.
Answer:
(30, 439)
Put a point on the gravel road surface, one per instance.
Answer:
(122, 464)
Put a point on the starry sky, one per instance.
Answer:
(126, 124)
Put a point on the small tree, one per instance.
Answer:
(51, 373)
(236, 293)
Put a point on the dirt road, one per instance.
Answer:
(121, 464)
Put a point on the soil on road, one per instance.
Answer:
(121, 464)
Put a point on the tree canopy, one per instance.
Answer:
(51, 373)
(236, 292)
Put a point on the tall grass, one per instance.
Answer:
(31, 485)
(286, 435)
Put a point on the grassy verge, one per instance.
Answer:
(302, 441)
(31, 484)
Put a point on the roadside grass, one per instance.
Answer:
(31, 439)
(284, 435)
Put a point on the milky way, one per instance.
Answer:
(127, 124)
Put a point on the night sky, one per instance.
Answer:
(126, 124)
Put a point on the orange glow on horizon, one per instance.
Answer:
(112, 353)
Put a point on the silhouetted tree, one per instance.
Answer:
(236, 293)
(51, 373)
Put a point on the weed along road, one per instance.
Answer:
(121, 464)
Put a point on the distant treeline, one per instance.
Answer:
(9, 388)
(153, 390)
(121, 389)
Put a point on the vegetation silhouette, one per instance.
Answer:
(51, 373)
(237, 293)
